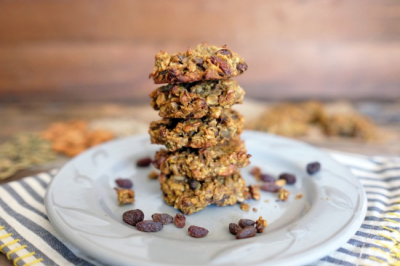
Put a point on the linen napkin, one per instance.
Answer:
(27, 237)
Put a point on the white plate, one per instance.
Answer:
(82, 206)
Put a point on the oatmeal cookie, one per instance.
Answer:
(222, 160)
(180, 192)
(195, 100)
(196, 133)
(206, 62)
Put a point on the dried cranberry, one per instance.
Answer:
(133, 217)
(234, 228)
(246, 222)
(267, 178)
(313, 167)
(248, 231)
(197, 232)
(149, 226)
(144, 162)
(290, 179)
(124, 183)
(179, 220)
(270, 187)
(163, 218)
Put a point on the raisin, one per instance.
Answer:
(197, 232)
(270, 187)
(222, 64)
(234, 228)
(163, 218)
(290, 179)
(149, 226)
(133, 217)
(248, 231)
(193, 184)
(241, 67)
(246, 222)
(181, 57)
(124, 183)
(224, 52)
(199, 61)
(179, 220)
(313, 167)
(267, 178)
(144, 162)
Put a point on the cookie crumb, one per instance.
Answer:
(255, 210)
(280, 182)
(125, 196)
(283, 194)
(245, 207)
(299, 195)
(153, 175)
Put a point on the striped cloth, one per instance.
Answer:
(27, 238)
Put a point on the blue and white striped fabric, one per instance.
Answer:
(27, 238)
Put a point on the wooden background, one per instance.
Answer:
(104, 50)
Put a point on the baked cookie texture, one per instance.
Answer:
(196, 133)
(206, 62)
(201, 164)
(182, 194)
(196, 100)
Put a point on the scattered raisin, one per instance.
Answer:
(197, 232)
(179, 220)
(246, 222)
(149, 226)
(124, 183)
(241, 67)
(234, 228)
(248, 231)
(163, 218)
(267, 178)
(144, 162)
(133, 217)
(313, 167)
(270, 187)
(290, 179)
(193, 184)
(260, 225)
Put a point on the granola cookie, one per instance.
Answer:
(206, 62)
(196, 133)
(195, 100)
(222, 160)
(191, 196)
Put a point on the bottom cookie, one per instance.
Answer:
(191, 196)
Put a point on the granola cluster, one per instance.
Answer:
(200, 131)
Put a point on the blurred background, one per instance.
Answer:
(91, 51)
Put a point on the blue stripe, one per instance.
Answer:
(378, 227)
(381, 194)
(360, 244)
(391, 189)
(377, 209)
(51, 240)
(22, 202)
(383, 203)
(355, 254)
(337, 261)
(385, 179)
(41, 182)
(373, 171)
(23, 241)
(371, 236)
(32, 192)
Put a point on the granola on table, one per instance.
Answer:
(201, 164)
(196, 133)
(221, 191)
(206, 62)
(196, 100)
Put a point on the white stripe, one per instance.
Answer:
(26, 233)
(35, 185)
(45, 177)
(386, 174)
(20, 190)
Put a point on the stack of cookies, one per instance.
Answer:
(199, 129)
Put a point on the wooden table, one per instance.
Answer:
(36, 117)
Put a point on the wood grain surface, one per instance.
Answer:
(103, 50)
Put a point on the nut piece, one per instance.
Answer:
(313, 167)
(280, 182)
(255, 210)
(149, 226)
(234, 228)
(179, 220)
(255, 192)
(245, 207)
(197, 232)
(153, 175)
(299, 195)
(246, 222)
(163, 218)
(132, 217)
(124, 183)
(283, 194)
(248, 231)
(125, 196)
(256, 172)
(144, 162)
(290, 179)
(260, 225)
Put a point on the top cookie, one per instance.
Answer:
(203, 63)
